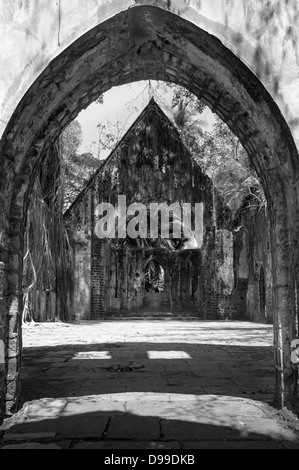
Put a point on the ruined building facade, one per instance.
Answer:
(204, 276)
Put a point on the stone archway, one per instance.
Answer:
(156, 285)
(154, 275)
(149, 43)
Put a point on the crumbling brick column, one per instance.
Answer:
(98, 279)
(14, 306)
(10, 327)
(283, 308)
(2, 339)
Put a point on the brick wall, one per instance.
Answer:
(98, 278)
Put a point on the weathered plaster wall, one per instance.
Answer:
(225, 261)
(253, 265)
(80, 237)
(259, 256)
(263, 35)
(81, 303)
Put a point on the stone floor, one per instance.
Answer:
(149, 385)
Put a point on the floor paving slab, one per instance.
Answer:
(23, 433)
(186, 431)
(81, 407)
(73, 427)
(221, 396)
(290, 445)
(132, 445)
(45, 408)
(195, 445)
(269, 428)
(32, 446)
(134, 427)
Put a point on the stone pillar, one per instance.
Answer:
(12, 304)
(10, 337)
(14, 319)
(2, 342)
(284, 317)
(82, 281)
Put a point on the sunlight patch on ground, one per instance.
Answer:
(110, 332)
(212, 414)
(92, 355)
(168, 355)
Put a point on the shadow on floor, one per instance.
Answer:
(105, 430)
(192, 369)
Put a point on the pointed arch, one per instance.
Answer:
(147, 42)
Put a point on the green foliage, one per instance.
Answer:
(222, 157)
(100, 99)
(218, 152)
(111, 133)
(186, 112)
(71, 139)
(182, 96)
(75, 169)
(77, 172)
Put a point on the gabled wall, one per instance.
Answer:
(151, 165)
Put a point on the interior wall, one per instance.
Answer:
(151, 165)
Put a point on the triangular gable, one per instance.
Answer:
(152, 105)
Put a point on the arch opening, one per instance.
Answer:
(154, 277)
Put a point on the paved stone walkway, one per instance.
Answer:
(148, 385)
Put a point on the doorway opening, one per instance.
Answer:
(154, 277)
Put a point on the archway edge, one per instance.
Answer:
(33, 34)
(50, 99)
